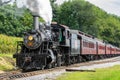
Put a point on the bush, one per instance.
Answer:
(8, 44)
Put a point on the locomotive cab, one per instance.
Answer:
(61, 34)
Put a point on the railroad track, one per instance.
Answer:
(18, 74)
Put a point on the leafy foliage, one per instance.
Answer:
(11, 23)
(8, 44)
(83, 16)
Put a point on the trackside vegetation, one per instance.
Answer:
(7, 63)
(8, 44)
(112, 73)
(7, 49)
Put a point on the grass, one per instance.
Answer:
(6, 62)
(8, 46)
(112, 73)
(8, 43)
(6, 55)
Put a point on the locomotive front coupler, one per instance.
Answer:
(28, 59)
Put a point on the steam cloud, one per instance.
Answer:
(37, 7)
(3, 2)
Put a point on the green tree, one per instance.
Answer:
(83, 16)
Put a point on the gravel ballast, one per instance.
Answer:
(53, 74)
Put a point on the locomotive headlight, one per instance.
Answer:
(30, 38)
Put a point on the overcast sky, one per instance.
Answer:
(110, 6)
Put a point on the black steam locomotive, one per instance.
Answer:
(56, 45)
(44, 47)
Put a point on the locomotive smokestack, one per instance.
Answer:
(36, 22)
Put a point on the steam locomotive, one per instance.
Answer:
(57, 45)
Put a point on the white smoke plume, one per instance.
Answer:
(40, 8)
(37, 7)
(3, 2)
